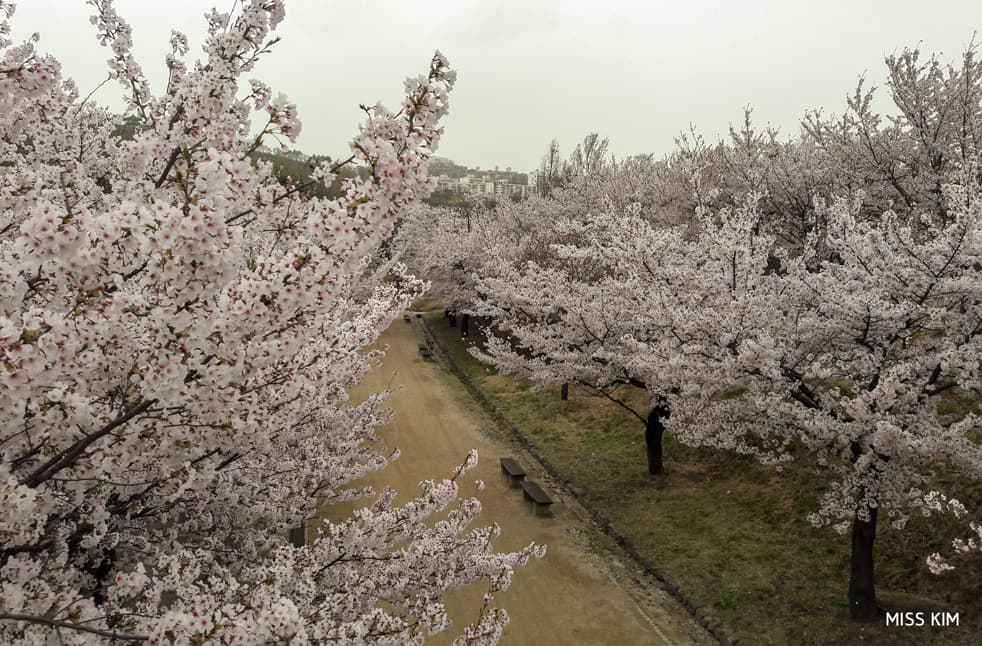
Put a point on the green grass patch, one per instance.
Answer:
(955, 403)
(729, 393)
(732, 533)
(425, 304)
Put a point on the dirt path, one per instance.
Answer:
(572, 596)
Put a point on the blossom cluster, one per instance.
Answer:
(178, 332)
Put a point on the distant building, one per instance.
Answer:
(483, 184)
(447, 183)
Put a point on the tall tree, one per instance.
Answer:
(178, 332)
(589, 157)
(849, 358)
(552, 169)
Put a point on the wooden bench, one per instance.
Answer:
(534, 492)
(405, 317)
(425, 351)
(511, 468)
(419, 315)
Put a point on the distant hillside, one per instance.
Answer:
(444, 166)
(448, 167)
(294, 165)
(291, 166)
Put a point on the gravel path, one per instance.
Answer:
(580, 593)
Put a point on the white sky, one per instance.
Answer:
(529, 71)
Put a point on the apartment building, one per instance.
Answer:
(484, 184)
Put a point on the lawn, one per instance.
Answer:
(731, 533)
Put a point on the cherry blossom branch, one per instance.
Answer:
(110, 634)
(69, 455)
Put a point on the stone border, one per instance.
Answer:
(696, 608)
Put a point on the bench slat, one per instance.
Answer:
(534, 492)
(512, 468)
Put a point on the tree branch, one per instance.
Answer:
(68, 456)
(111, 634)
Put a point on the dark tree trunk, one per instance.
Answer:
(862, 593)
(298, 535)
(564, 392)
(464, 329)
(453, 319)
(654, 430)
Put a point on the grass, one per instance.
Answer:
(426, 304)
(732, 533)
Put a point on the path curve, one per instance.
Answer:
(572, 596)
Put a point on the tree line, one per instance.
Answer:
(814, 298)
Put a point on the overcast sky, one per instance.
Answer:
(529, 71)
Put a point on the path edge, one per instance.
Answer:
(696, 608)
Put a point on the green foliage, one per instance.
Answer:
(128, 128)
(448, 198)
(292, 171)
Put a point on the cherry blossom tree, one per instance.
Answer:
(886, 259)
(842, 362)
(477, 264)
(178, 332)
(451, 247)
(819, 302)
(900, 161)
(589, 157)
(564, 312)
(855, 361)
(903, 161)
(447, 247)
(572, 333)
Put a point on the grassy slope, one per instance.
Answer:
(730, 532)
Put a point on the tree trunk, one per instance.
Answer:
(653, 432)
(298, 535)
(464, 329)
(862, 594)
(564, 393)
(453, 319)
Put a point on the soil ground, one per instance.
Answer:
(582, 592)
